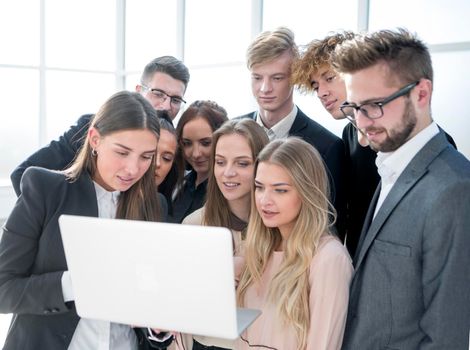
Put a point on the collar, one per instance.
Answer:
(103, 195)
(282, 127)
(391, 164)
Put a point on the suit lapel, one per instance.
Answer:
(299, 123)
(407, 180)
(367, 222)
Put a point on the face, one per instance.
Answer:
(196, 141)
(270, 84)
(277, 200)
(399, 120)
(234, 167)
(167, 84)
(330, 89)
(165, 155)
(122, 157)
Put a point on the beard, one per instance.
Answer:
(398, 136)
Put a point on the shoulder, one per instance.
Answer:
(313, 132)
(195, 218)
(250, 115)
(42, 176)
(331, 255)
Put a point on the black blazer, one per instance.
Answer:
(32, 259)
(58, 154)
(331, 148)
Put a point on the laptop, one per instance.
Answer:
(165, 276)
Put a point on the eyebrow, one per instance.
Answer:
(239, 157)
(275, 184)
(131, 150)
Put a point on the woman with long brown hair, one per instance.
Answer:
(112, 177)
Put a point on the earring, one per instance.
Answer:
(93, 152)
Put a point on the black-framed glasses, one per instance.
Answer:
(161, 95)
(373, 110)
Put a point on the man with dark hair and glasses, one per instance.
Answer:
(163, 83)
(410, 289)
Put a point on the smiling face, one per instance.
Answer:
(165, 155)
(234, 169)
(122, 157)
(330, 89)
(196, 140)
(270, 84)
(277, 200)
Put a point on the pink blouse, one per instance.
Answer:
(330, 274)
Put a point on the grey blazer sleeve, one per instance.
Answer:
(58, 154)
(26, 287)
(446, 270)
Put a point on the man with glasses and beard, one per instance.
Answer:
(410, 289)
(313, 72)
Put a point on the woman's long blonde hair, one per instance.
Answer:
(289, 289)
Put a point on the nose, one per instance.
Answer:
(264, 198)
(229, 171)
(265, 85)
(362, 121)
(132, 166)
(322, 91)
(157, 161)
(196, 152)
(164, 105)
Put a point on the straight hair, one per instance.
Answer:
(217, 210)
(124, 111)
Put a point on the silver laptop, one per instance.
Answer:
(166, 276)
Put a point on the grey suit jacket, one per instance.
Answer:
(32, 259)
(411, 287)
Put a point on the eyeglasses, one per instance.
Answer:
(373, 110)
(161, 96)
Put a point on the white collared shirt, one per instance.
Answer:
(390, 165)
(281, 128)
(95, 334)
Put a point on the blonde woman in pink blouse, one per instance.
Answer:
(297, 272)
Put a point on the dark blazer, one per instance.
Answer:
(58, 154)
(189, 199)
(32, 259)
(331, 148)
(410, 289)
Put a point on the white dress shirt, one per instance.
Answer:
(95, 334)
(281, 128)
(390, 165)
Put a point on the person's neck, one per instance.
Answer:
(200, 178)
(271, 118)
(241, 207)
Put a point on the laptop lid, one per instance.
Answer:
(166, 276)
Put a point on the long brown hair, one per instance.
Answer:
(210, 111)
(217, 211)
(289, 289)
(124, 111)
